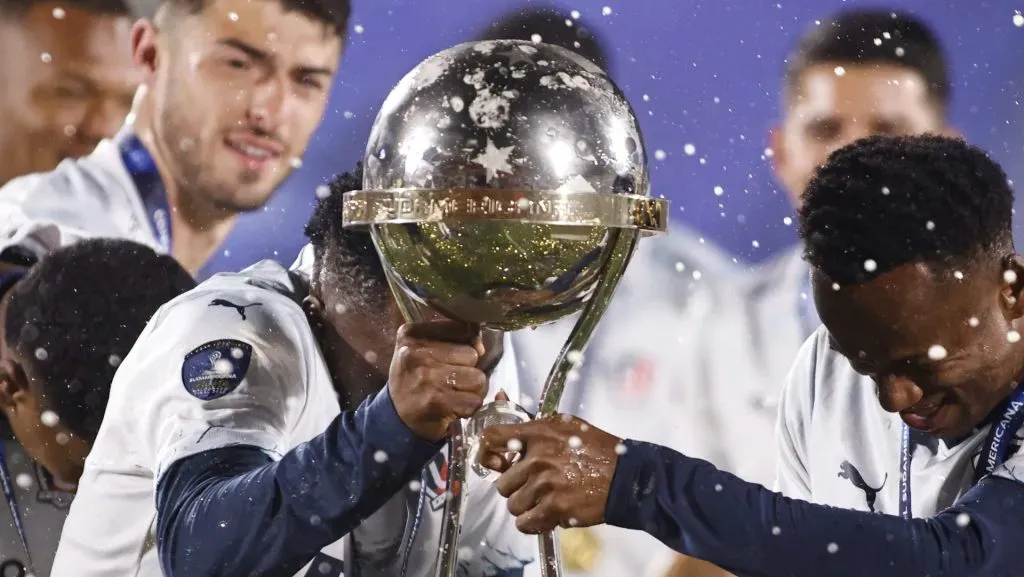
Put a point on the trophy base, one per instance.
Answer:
(493, 413)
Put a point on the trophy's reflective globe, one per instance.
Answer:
(510, 164)
(505, 183)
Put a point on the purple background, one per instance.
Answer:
(699, 72)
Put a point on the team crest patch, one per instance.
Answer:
(216, 368)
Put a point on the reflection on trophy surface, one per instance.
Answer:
(505, 184)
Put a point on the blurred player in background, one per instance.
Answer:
(900, 424)
(177, 176)
(863, 72)
(66, 85)
(69, 322)
(68, 80)
(239, 406)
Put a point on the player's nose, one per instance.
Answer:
(897, 393)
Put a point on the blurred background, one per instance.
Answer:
(704, 78)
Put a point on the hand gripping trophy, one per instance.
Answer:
(505, 185)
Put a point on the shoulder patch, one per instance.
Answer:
(216, 368)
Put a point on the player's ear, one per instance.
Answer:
(313, 307)
(13, 384)
(1013, 285)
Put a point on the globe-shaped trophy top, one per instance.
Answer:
(496, 178)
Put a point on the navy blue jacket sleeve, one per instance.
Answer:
(748, 530)
(232, 511)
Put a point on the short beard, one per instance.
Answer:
(188, 164)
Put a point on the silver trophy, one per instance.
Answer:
(505, 184)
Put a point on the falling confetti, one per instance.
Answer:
(575, 14)
(659, 154)
(787, 221)
(58, 13)
(358, 28)
(689, 149)
(575, 442)
(536, 38)
(41, 354)
(885, 190)
(776, 531)
(371, 357)
(963, 520)
(870, 265)
(620, 449)
(973, 321)
(1013, 336)
(63, 438)
(835, 286)
(680, 267)
(718, 488)
(323, 191)
(233, 16)
(514, 445)
(415, 486)
(49, 418)
(929, 225)
(900, 51)
(114, 360)
(958, 275)
(380, 456)
(1018, 20)
(574, 357)
(607, 10)
(1010, 276)
(832, 548)
(315, 520)
(936, 352)
(46, 58)
(296, 162)
(24, 480)
(696, 275)
(839, 70)
(719, 191)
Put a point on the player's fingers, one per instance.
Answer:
(445, 353)
(512, 479)
(527, 496)
(540, 518)
(462, 404)
(499, 462)
(461, 379)
(499, 438)
(440, 330)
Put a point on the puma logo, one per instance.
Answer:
(240, 309)
(849, 472)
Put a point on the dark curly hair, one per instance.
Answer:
(345, 253)
(78, 312)
(894, 200)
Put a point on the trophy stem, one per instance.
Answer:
(451, 518)
(623, 243)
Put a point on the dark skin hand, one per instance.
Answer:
(434, 378)
(562, 477)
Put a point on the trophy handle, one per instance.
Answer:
(455, 491)
(623, 244)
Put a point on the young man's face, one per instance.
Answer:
(40, 432)
(68, 82)
(238, 90)
(834, 105)
(935, 345)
